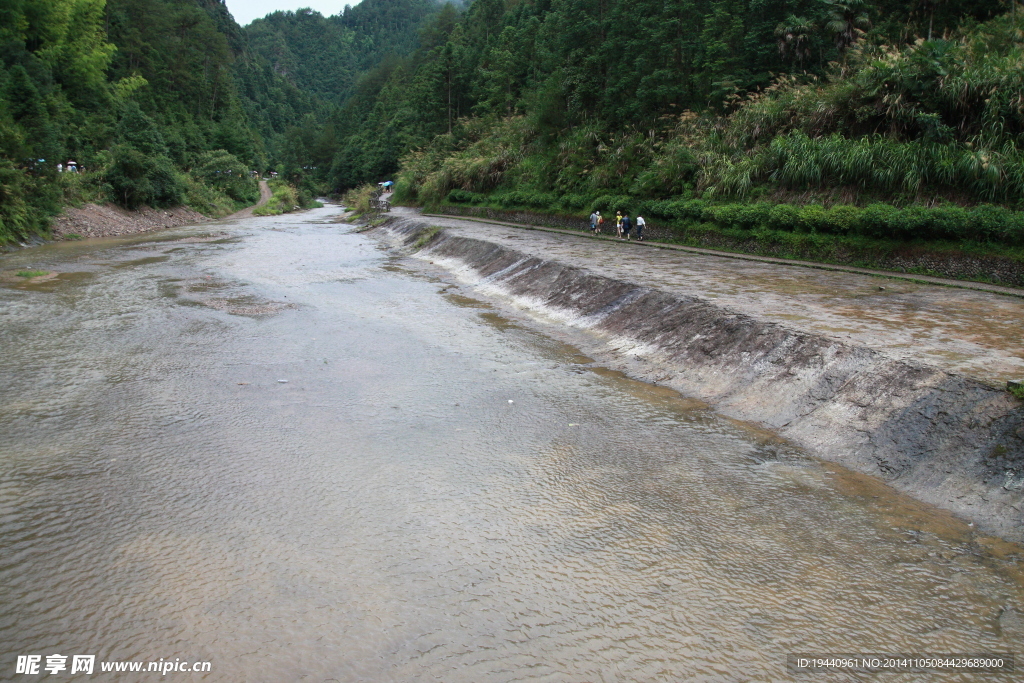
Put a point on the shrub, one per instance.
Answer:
(136, 179)
(574, 202)
(611, 203)
(994, 224)
(230, 176)
(205, 199)
(358, 199)
(462, 197)
(842, 218)
(19, 216)
(783, 217)
(813, 218)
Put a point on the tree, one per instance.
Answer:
(723, 61)
(848, 19)
(793, 36)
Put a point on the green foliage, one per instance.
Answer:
(228, 175)
(914, 142)
(30, 273)
(561, 105)
(285, 199)
(603, 80)
(206, 199)
(465, 197)
(135, 91)
(140, 132)
(358, 199)
(27, 201)
(983, 224)
(77, 188)
(136, 179)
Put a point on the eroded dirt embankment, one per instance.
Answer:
(941, 437)
(93, 220)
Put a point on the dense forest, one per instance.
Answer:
(164, 102)
(827, 114)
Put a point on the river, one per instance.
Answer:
(271, 445)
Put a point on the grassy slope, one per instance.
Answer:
(901, 150)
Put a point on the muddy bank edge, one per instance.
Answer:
(93, 220)
(942, 438)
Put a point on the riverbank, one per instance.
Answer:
(860, 395)
(109, 220)
(94, 220)
(965, 261)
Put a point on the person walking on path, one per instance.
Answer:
(618, 224)
(627, 225)
(640, 225)
(595, 221)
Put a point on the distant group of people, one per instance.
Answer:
(71, 167)
(623, 225)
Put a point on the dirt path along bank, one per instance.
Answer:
(265, 195)
(827, 360)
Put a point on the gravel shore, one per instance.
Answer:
(92, 220)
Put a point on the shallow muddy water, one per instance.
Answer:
(287, 453)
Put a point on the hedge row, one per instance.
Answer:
(985, 223)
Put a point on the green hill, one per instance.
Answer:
(888, 119)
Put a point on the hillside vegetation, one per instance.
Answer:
(164, 102)
(896, 142)
(140, 93)
(894, 120)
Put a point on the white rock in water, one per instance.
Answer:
(283, 381)
(511, 401)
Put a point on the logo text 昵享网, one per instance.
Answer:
(86, 664)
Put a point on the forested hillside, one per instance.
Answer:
(687, 108)
(163, 102)
(325, 56)
(617, 68)
(886, 120)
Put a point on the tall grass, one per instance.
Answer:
(876, 163)
(358, 199)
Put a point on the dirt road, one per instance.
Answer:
(265, 195)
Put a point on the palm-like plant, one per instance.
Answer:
(848, 19)
(792, 36)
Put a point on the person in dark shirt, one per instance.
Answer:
(627, 225)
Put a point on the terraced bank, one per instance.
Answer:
(938, 427)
